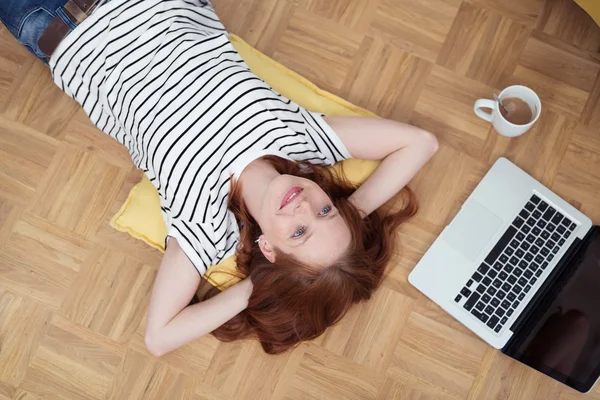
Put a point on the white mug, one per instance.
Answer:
(502, 126)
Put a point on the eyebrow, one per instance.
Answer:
(329, 217)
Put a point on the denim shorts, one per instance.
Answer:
(28, 19)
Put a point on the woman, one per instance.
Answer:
(162, 78)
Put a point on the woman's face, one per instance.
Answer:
(299, 218)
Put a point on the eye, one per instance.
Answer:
(299, 233)
(325, 210)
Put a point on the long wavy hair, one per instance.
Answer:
(292, 302)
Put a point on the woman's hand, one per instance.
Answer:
(403, 148)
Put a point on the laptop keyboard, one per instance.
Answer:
(515, 263)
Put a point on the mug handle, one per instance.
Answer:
(484, 103)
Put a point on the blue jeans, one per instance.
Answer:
(28, 19)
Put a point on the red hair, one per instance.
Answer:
(292, 302)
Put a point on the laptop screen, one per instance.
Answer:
(565, 342)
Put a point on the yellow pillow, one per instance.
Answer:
(140, 215)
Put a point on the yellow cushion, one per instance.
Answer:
(592, 7)
(140, 215)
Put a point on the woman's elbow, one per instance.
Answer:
(430, 142)
(153, 345)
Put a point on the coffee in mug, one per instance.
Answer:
(523, 108)
(516, 111)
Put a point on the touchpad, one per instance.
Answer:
(472, 229)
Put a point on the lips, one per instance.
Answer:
(290, 196)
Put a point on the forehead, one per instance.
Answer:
(327, 243)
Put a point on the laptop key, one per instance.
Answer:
(520, 236)
(483, 269)
(512, 279)
(528, 274)
(509, 251)
(495, 302)
(573, 225)
(541, 223)
(511, 296)
(534, 249)
(523, 264)
(471, 301)
(536, 231)
(525, 228)
(520, 253)
(561, 229)
(480, 306)
(457, 298)
(566, 222)
(505, 304)
(536, 214)
(486, 281)
(550, 244)
(497, 266)
(510, 312)
(489, 309)
(524, 214)
(493, 321)
(530, 238)
(499, 312)
(486, 298)
(538, 273)
(503, 320)
(504, 240)
(548, 214)
(508, 268)
(518, 222)
(521, 296)
(550, 257)
(545, 235)
(480, 289)
(555, 236)
(555, 249)
(514, 243)
(477, 277)
(535, 267)
(522, 281)
(527, 289)
(529, 257)
(539, 243)
(517, 289)
(530, 222)
(539, 259)
(525, 246)
(506, 287)
(469, 283)
(550, 227)
(497, 283)
(544, 251)
(503, 258)
(492, 291)
(567, 234)
(503, 275)
(501, 295)
(542, 206)
(534, 199)
(480, 316)
(498, 328)
(544, 265)
(533, 280)
(518, 272)
(465, 292)
(492, 274)
(557, 218)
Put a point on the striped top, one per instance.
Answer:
(162, 78)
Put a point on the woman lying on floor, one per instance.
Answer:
(239, 168)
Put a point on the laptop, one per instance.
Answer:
(520, 267)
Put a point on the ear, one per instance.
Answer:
(266, 249)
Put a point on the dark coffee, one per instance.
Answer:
(517, 111)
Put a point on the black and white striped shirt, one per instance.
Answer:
(162, 78)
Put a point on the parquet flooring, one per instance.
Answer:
(74, 292)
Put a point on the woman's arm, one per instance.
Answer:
(403, 149)
(171, 322)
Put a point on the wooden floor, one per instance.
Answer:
(74, 292)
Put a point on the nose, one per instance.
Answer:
(303, 207)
